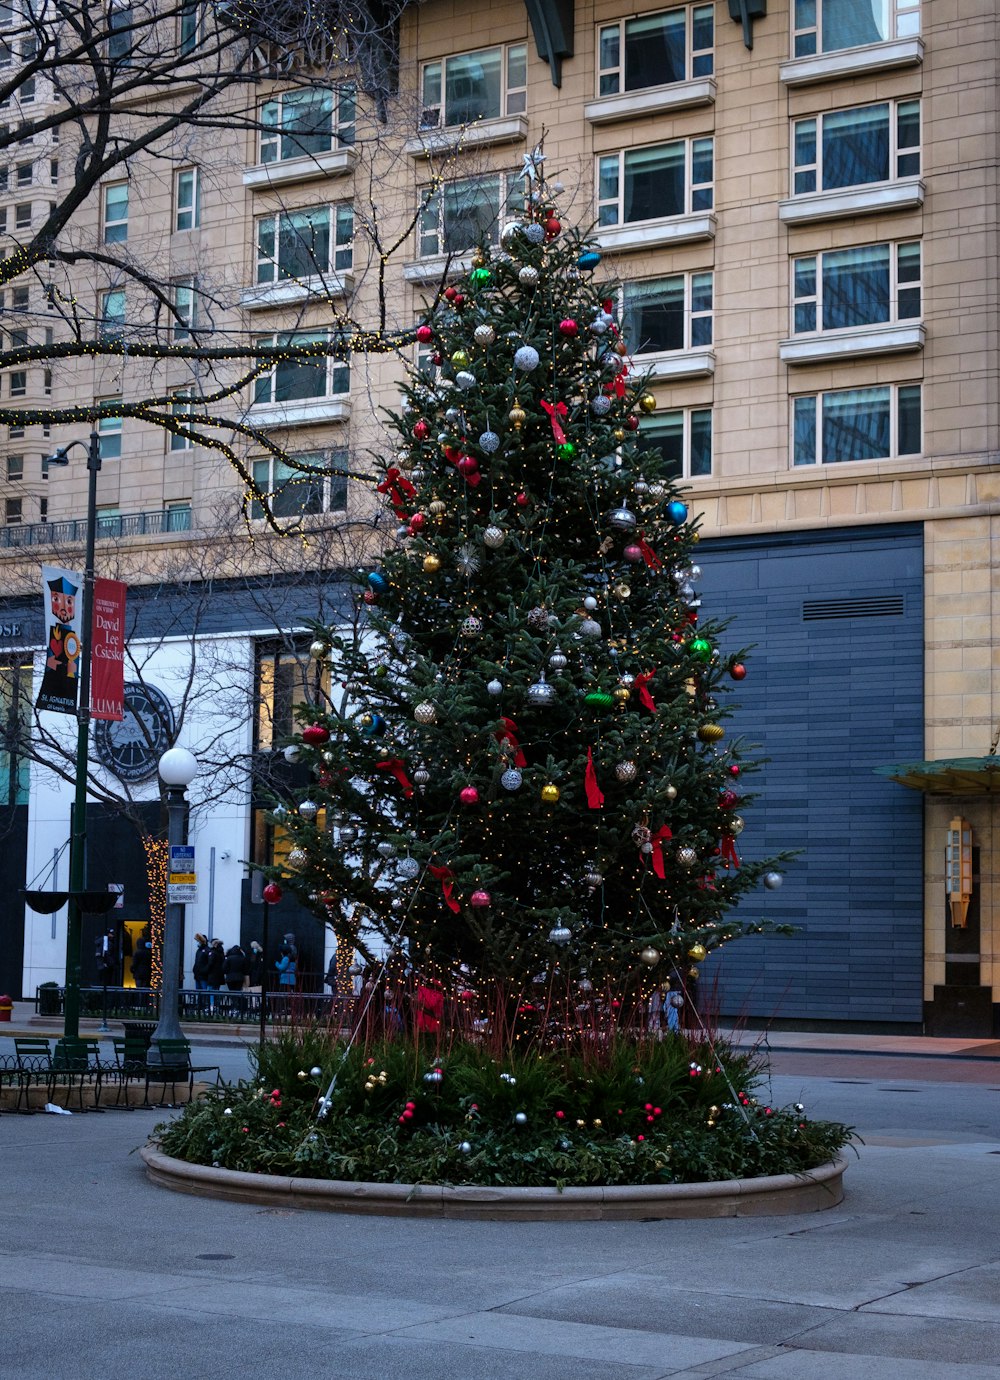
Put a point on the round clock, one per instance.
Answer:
(131, 747)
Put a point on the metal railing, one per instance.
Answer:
(211, 1006)
(159, 522)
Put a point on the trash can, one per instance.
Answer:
(49, 999)
(6, 1007)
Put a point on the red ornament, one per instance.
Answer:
(568, 327)
(421, 430)
(468, 795)
(734, 770)
(633, 554)
(632, 422)
(467, 464)
(425, 335)
(437, 360)
(480, 899)
(418, 522)
(272, 893)
(315, 734)
(451, 293)
(560, 1116)
(608, 305)
(552, 227)
(521, 500)
(728, 800)
(370, 597)
(738, 671)
(457, 300)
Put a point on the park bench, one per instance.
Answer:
(174, 1066)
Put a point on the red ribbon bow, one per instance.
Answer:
(618, 385)
(641, 682)
(657, 841)
(447, 879)
(555, 411)
(728, 851)
(395, 766)
(508, 735)
(648, 554)
(399, 489)
(453, 455)
(595, 796)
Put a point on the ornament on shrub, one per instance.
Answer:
(528, 278)
(550, 793)
(465, 380)
(588, 260)
(511, 779)
(469, 795)
(431, 564)
(626, 771)
(601, 405)
(541, 694)
(560, 934)
(494, 687)
(622, 519)
(686, 856)
(472, 626)
(711, 733)
(494, 537)
(479, 900)
(484, 335)
(650, 956)
(297, 859)
(408, 868)
(318, 650)
(292, 753)
(738, 671)
(772, 880)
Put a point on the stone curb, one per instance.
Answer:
(779, 1195)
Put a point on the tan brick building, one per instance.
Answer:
(806, 232)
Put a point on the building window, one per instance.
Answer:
(474, 86)
(22, 216)
(112, 320)
(177, 516)
(184, 301)
(47, 382)
(26, 91)
(462, 213)
(43, 510)
(302, 123)
(54, 171)
(856, 424)
(827, 26)
(655, 49)
(285, 679)
(20, 299)
(189, 29)
(672, 179)
(18, 383)
(187, 199)
(115, 212)
(109, 520)
(853, 148)
(684, 440)
(298, 244)
(856, 287)
(293, 491)
(12, 511)
(181, 409)
(109, 429)
(25, 173)
(324, 376)
(15, 467)
(663, 314)
(119, 32)
(15, 731)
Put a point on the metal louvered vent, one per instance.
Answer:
(872, 606)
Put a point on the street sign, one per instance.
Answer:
(182, 893)
(182, 879)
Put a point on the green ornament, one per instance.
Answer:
(479, 275)
(700, 648)
(567, 448)
(460, 359)
(598, 699)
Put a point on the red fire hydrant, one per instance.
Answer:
(6, 1007)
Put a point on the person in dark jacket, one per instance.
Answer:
(256, 964)
(236, 968)
(142, 962)
(200, 966)
(216, 965)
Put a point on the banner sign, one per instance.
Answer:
(63, 592)
(107, 654)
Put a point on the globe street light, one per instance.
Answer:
(177, 768)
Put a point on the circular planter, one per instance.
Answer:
(780, 1195)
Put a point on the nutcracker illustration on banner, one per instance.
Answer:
(61, 678)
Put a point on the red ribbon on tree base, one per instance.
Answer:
(641, 682)
(395, 766)
(555, 411)
(399, 489)
(658, 840)
(508, 735)
(648, 554)
(595, 796)
(447, 879)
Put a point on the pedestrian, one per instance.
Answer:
(200, 966)
(285, 964)
(235, 968)
(142, 962)
(256, 966)
(216, 965)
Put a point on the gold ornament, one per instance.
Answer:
(670, 792)
(432, 564)
(693, 972)
(619, 434)
(460, 359)
(697, 952)
(647, 403)
(550, 793)
(297, 859)
(622, 693)
(621, 591)
(437, 508)
(517, 417)
(711, 733)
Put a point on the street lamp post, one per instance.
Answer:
(178, 768)
(78, 834)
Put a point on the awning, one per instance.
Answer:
(951, 776)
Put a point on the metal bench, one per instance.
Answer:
(174, 1066)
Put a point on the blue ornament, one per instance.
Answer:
(375, 725)
(378, 582)
(677, 512)
(589, 259)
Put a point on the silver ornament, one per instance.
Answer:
(600, 406)
(612, 364)
(558, 661)
(348, 834)
(520, 1119)
(425, 713)
(593, 879)
(528, 276)
(526, 358)
(472, 627)
(772, 880)
(670, 792)
(494, 687)
(541, 694)
(292, 752)
(590, 628)
(297, 859)
(510, 234)
(465, 1147)
(590, 603)
(386, 849)
(465, 380)
(622, 519)
(650, 956)
(537, 618)
(560, 934)
(484, 335)
(687, 856)
(598, 326)
(736, 825)
(494, 537)
(280, 812)
(534, 233)
(489, 442)
(434, 1076)
(641, 487)
(626, 771)
(308, 809)
(453, 415)
(408, 868)
(421, 776)
(318, 650)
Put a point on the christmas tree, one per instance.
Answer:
(527, 769)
